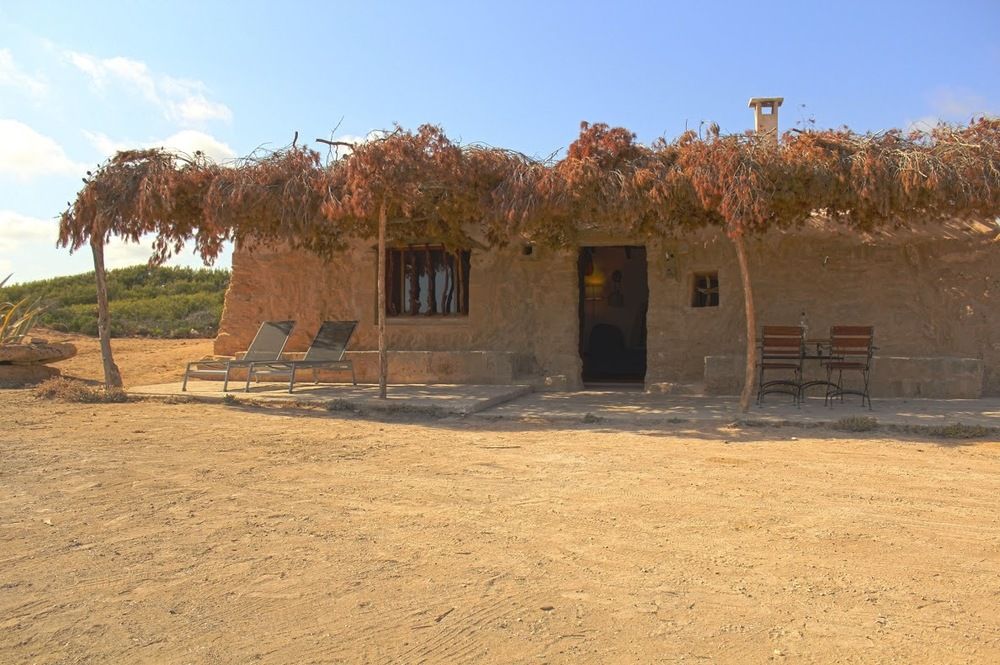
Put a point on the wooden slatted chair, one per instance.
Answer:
(851, 350)
(781, 351)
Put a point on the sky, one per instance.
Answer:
(79, 81)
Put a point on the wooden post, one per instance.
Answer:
(383, 357)
(460, 278)
(414, 257)
(431, 278)
(751, 317)
(449, 283)
(112, 377)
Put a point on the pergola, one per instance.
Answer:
(407, 185)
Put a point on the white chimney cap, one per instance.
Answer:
(765, 101)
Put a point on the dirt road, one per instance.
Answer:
(193, 533)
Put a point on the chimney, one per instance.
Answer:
(765, 115)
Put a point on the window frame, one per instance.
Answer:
(705, 287)
(401, 290)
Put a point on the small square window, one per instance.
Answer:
(705, 289)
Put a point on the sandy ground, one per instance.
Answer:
(140, 361)
(191, 533)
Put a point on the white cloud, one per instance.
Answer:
(28, 250)
(340, 151)
(951, 105)
(25, 153)
(195, 109)
(119, 253)
(187, 141)
(187, 103)
(924, 124)
(16, 230)
(956, 104)
(87, 64)
(182, 101)
(106, 145)
(11, 75)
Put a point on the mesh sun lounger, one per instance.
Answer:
(267, 344)
(325, 352)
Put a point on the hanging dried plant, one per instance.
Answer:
(430, 188)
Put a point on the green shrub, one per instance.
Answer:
(856, 424)
(152, 302)
(959, 431)
(17, 318)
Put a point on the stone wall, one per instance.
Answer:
(928, 297)
(522, 304)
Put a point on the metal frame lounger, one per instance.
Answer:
(267, 344)
(325, 352)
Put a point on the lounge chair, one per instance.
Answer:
(267, 344)
(325, 352)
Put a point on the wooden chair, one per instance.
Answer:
(781, 350)
(851, 350)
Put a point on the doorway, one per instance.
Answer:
(614, 297)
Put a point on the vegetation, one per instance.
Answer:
(17, 316)
(144, 301)
(856, 424)
(421, 184)
(71, 390)
(955, 431)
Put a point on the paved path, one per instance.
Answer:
(432, 400)
(623, 408)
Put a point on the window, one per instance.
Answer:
(705, 289)
(428, 280)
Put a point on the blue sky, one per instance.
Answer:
(80, 80)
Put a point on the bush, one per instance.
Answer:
(149, 302)
(856, 424)
(959, 431)
(17, 318)
(69, 390)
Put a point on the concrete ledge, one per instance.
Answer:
(892, 376)
(422, 367)
(18, 376)
(471, 367)
(944, 378)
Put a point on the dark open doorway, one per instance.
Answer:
(614, 296)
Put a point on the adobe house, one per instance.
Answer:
(666, 314)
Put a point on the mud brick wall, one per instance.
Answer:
(928, 296)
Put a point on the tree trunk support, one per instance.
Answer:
(112, 377)
(383, 356)
(751, 317)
